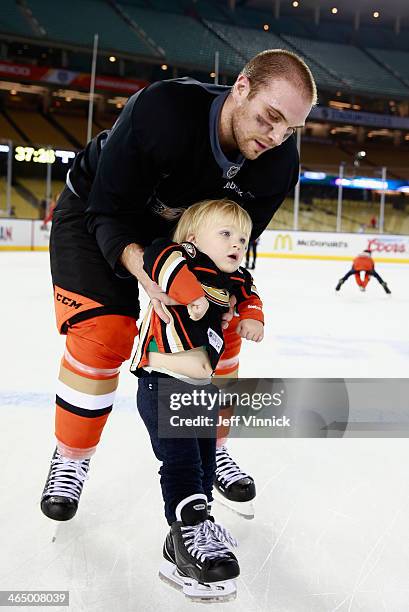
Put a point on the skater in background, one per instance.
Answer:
(253, 248)
(200, 274)
(50, 212)
(363, 264)
(129, 186)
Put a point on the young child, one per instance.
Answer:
(363, 263)
(200, 271)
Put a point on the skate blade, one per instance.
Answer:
(243, 509)
(193, 590)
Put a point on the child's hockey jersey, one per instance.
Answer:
(186, 274)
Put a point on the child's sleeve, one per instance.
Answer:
(164, 263)
(249, 305)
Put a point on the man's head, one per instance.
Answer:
(271, 97)
(219, 228)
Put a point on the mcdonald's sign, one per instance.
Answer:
(283, 242)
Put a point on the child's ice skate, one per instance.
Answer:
(197, 558)
(233, 487)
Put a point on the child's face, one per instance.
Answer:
(223, 241)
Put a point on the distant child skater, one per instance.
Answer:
(365, 264)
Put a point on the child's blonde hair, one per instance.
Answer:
(200, 213)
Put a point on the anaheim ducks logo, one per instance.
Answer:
(220, 297)
(189, 248)
(166, 212)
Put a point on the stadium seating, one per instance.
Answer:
(358, 71)
(396, 61)
(12, 20)
(199, 43)
(75, 125)
(38, 130)
(22, 208)
(378, 155)
(325, 157)
(7, 131)
(169, 6)
(82, 19)
(37, 187)
(320, 216)
(249, 42)
(209, 10)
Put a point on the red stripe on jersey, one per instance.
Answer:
(158, 258)
(205, 270)
(183, 329)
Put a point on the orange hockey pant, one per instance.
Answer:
(95, 350)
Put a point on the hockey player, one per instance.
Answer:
(253, 248)
(363, 263)
(175, 143)
(200, 271)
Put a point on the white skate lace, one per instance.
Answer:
(226, 469)
(207, 540)
(66, 477)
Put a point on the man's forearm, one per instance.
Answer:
(132, 259)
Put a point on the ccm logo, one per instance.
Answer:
(68, 301)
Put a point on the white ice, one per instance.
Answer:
(331, 530)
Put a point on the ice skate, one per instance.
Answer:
(385, 286)
(197, 560)
(233, 487)
(362, 289)
(63, 487)
(340, 283)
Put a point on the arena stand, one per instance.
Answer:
(361, 69)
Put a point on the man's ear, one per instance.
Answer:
(241, 88)
(190, 238)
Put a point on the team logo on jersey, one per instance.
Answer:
(217, 296)
(232, 171)
(189, 248)
(166, 212)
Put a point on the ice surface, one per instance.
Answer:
(331, 526)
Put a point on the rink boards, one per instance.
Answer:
(29, 235)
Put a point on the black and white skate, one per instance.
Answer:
(385, 286)
(63, 487)
(340, 283)
(197, 560)
(233, 487)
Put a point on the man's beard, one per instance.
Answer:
(243, 144)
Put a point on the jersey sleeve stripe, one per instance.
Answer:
(205, 270)
(159, 257)
(183, 329)
(169, 270)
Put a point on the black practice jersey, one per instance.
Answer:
(161, 156)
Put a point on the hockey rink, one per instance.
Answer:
(331, 529)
